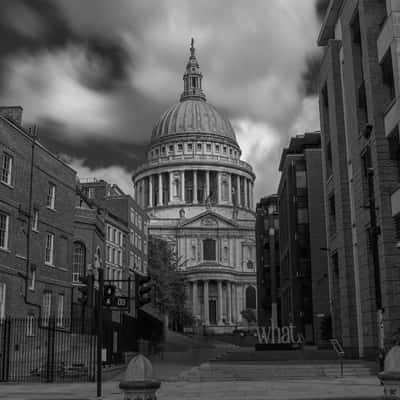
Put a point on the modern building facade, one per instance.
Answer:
(359, 120)
(304, 288)
(37, 197)
(199, 196)
(267, 251)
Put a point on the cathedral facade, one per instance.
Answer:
(199, 196)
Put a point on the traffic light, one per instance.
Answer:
(86, 290)
(108, 295)
(142, 289)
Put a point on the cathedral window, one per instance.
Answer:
(171, 148)
(199, 147)
(209, 250)
(230, 152)
(163, 150)
(217, 148)
(180, 147)
(226, 254)
(225, 149)
(225, 189)
(193, 252)
(189, 146)
(176, 187)
(194, 83)
(209, 147)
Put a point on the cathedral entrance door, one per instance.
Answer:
(212, 304)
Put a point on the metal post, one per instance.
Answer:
(99, 330)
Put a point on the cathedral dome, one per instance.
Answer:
(193, 115)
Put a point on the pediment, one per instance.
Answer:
(208, 219)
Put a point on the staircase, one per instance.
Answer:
(240, 371)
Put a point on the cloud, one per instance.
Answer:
(105, 71)
(308, 118)
(111, 174)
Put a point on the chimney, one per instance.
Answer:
(13, 113)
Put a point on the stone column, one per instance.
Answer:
(195, 299)
(230, 188)
(219, 188)
(233, 296)
(183, 186)
(220, 310)
(245, 193)
(206, 310)
(160, 190)
(207, 193)
(239, 199)
(195, 200)
(170, 187)
(229, 307)
(151, 191)
(238, 303)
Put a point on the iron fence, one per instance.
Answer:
(47, 350)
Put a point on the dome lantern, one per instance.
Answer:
(192, 85)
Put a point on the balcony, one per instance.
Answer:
(190, 158)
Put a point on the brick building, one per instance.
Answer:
(35, 252)
(303, 267)
(267, 261)
(358, 88)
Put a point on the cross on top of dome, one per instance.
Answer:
(192, 85)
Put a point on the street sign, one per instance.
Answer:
(121, 302)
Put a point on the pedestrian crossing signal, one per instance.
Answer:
(108, 295)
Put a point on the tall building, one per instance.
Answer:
(37, 197)
(302, 237)
(199, 195)
(358, 89)
(267, 252)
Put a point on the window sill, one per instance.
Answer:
(51, 209)
(20, 256)
(5, 250)
(49, 265)
(31, 289)
(9, 185)
(35, 230)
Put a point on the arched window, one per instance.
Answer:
(176, 187)
(209, 250)
(79, 262)
(251, 297)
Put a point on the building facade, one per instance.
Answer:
(304, 288)
(267, 251)
(358, 89)
(199, 196)
(37, 197)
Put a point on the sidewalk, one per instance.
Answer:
(361, 388)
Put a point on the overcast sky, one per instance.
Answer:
(96, 75)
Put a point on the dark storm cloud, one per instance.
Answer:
(100, 153)
(30, 27)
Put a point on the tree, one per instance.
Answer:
(169, 295)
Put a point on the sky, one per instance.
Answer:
(96, 75)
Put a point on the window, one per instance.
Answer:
(131, 260)
(387, 78)
(35, 220)
(2, 300)
(132, 237)
(199, 147)
(6, 169)
(49, 249)
(208, 147)
(163, 150)
(156, 152)
(79, 262)
(114, 256)
(301, 179)
(171, 148)
(230, 152)
(217, 148)
(4, 222)
(119, 257)
(190, 146)
(60, 311)
(120, 238)
(225, 149)
(114, 236)
(193, 252)
(332, 214)
(33, 278)
(51, 196)
(46, 308)
(209, 250)
(108, 233)
(225, 189)
(29, 325)
(180, 147)
(226, 254)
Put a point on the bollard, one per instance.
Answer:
(390, 377)
(139, 383)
